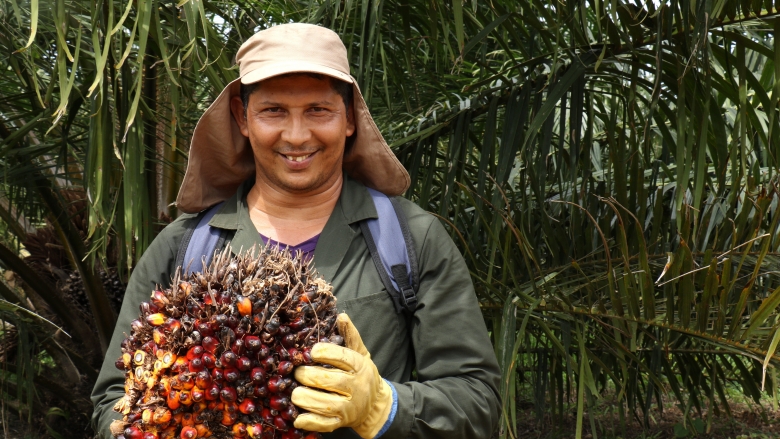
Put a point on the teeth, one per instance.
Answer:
(299, 158)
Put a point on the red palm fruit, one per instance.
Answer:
(285, 367)
(195, 352)
(156, 319)
(263, 352)
(290, 413)
(292, 433)
(276, 384)
(212, 392)
(227, 394)
(267, 415)
(188, 433)
(207, 300)
(260, 391)
(150, 347)
(172, 325)
(210, 344)
(247, 406)
(185, 397)
(180, 365)
(257, 375)
(244, 306)
(279, 403)
(217, 321)
(147, 309)
(306, 355)
(238, 347)
(159, 299)
(209, 360)
(187, 419)
(217, 375)
(280, 423)
(150, 435)
(254, 431)
(268, 363)
(132, 418)
(159, 336)
(198, 394)
(297, 323)
(252, 343)
(229, 419)
(172, 400)
(289, 340)
(203, 379)
(239, 429)
(243, 364)
(230, 407)
(195, 365)
(203, 430)
(119, 364)
(228, 358)
(231, 375)
(133, 433)
(161, 415)
(204, 328)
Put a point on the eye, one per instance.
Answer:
(273, 110)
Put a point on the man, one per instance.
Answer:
(290, 148)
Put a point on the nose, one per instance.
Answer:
(296, 132)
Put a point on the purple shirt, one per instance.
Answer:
(306, 247)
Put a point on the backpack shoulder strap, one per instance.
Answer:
(199, 242)
(392, 249)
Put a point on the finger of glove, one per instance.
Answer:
(351, 335)
(332, 380)
(315, 422)
(337, 356)
(321, 403)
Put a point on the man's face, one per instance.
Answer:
(297, 126)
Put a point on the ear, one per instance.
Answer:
(237, 108)
(350, 120)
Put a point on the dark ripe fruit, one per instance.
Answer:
(282, 351)
(306, 355)
(134, 433)
(247, 406)
(203, 379)
(337, 339)
(204, 328)
(149, 347)
(227, 394)
(210, 344)
(227, 336)
(172, 325)
(276, 384)
(279, 403)
(217, 321)
(289, 340)
(231, 374)
(252, 343)
(257, 375)
(298, 323)
(268, 363)
(136, 325)
(132, 418)
(217, 375)
(196, 365)
(188, 433)
(292, 433)
(232, 321)
(228, 358)
(285, 367)
(272, 327)
(281, 424)
(263, 352)
(195, 352)
(209, 360)
(119, 364)
(238, 347)
(212, 392)
(267, 415)
(260, 391)
(290, 413)
(243, 364)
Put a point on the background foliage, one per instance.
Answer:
(609, 169)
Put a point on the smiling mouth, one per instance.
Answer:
(299, 158)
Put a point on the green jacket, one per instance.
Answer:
(455, 391)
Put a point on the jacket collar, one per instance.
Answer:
(354, 205)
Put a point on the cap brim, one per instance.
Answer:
(285, 67)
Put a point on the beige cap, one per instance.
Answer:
(221, 157)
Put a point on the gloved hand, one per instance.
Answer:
(352, 395)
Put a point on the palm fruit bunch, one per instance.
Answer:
(213, 355)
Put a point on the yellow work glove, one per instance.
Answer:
(351, 395)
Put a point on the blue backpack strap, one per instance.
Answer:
(199, 242)
(392, 249)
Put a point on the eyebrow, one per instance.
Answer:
(311, 104)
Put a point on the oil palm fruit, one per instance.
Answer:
(213, 354)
